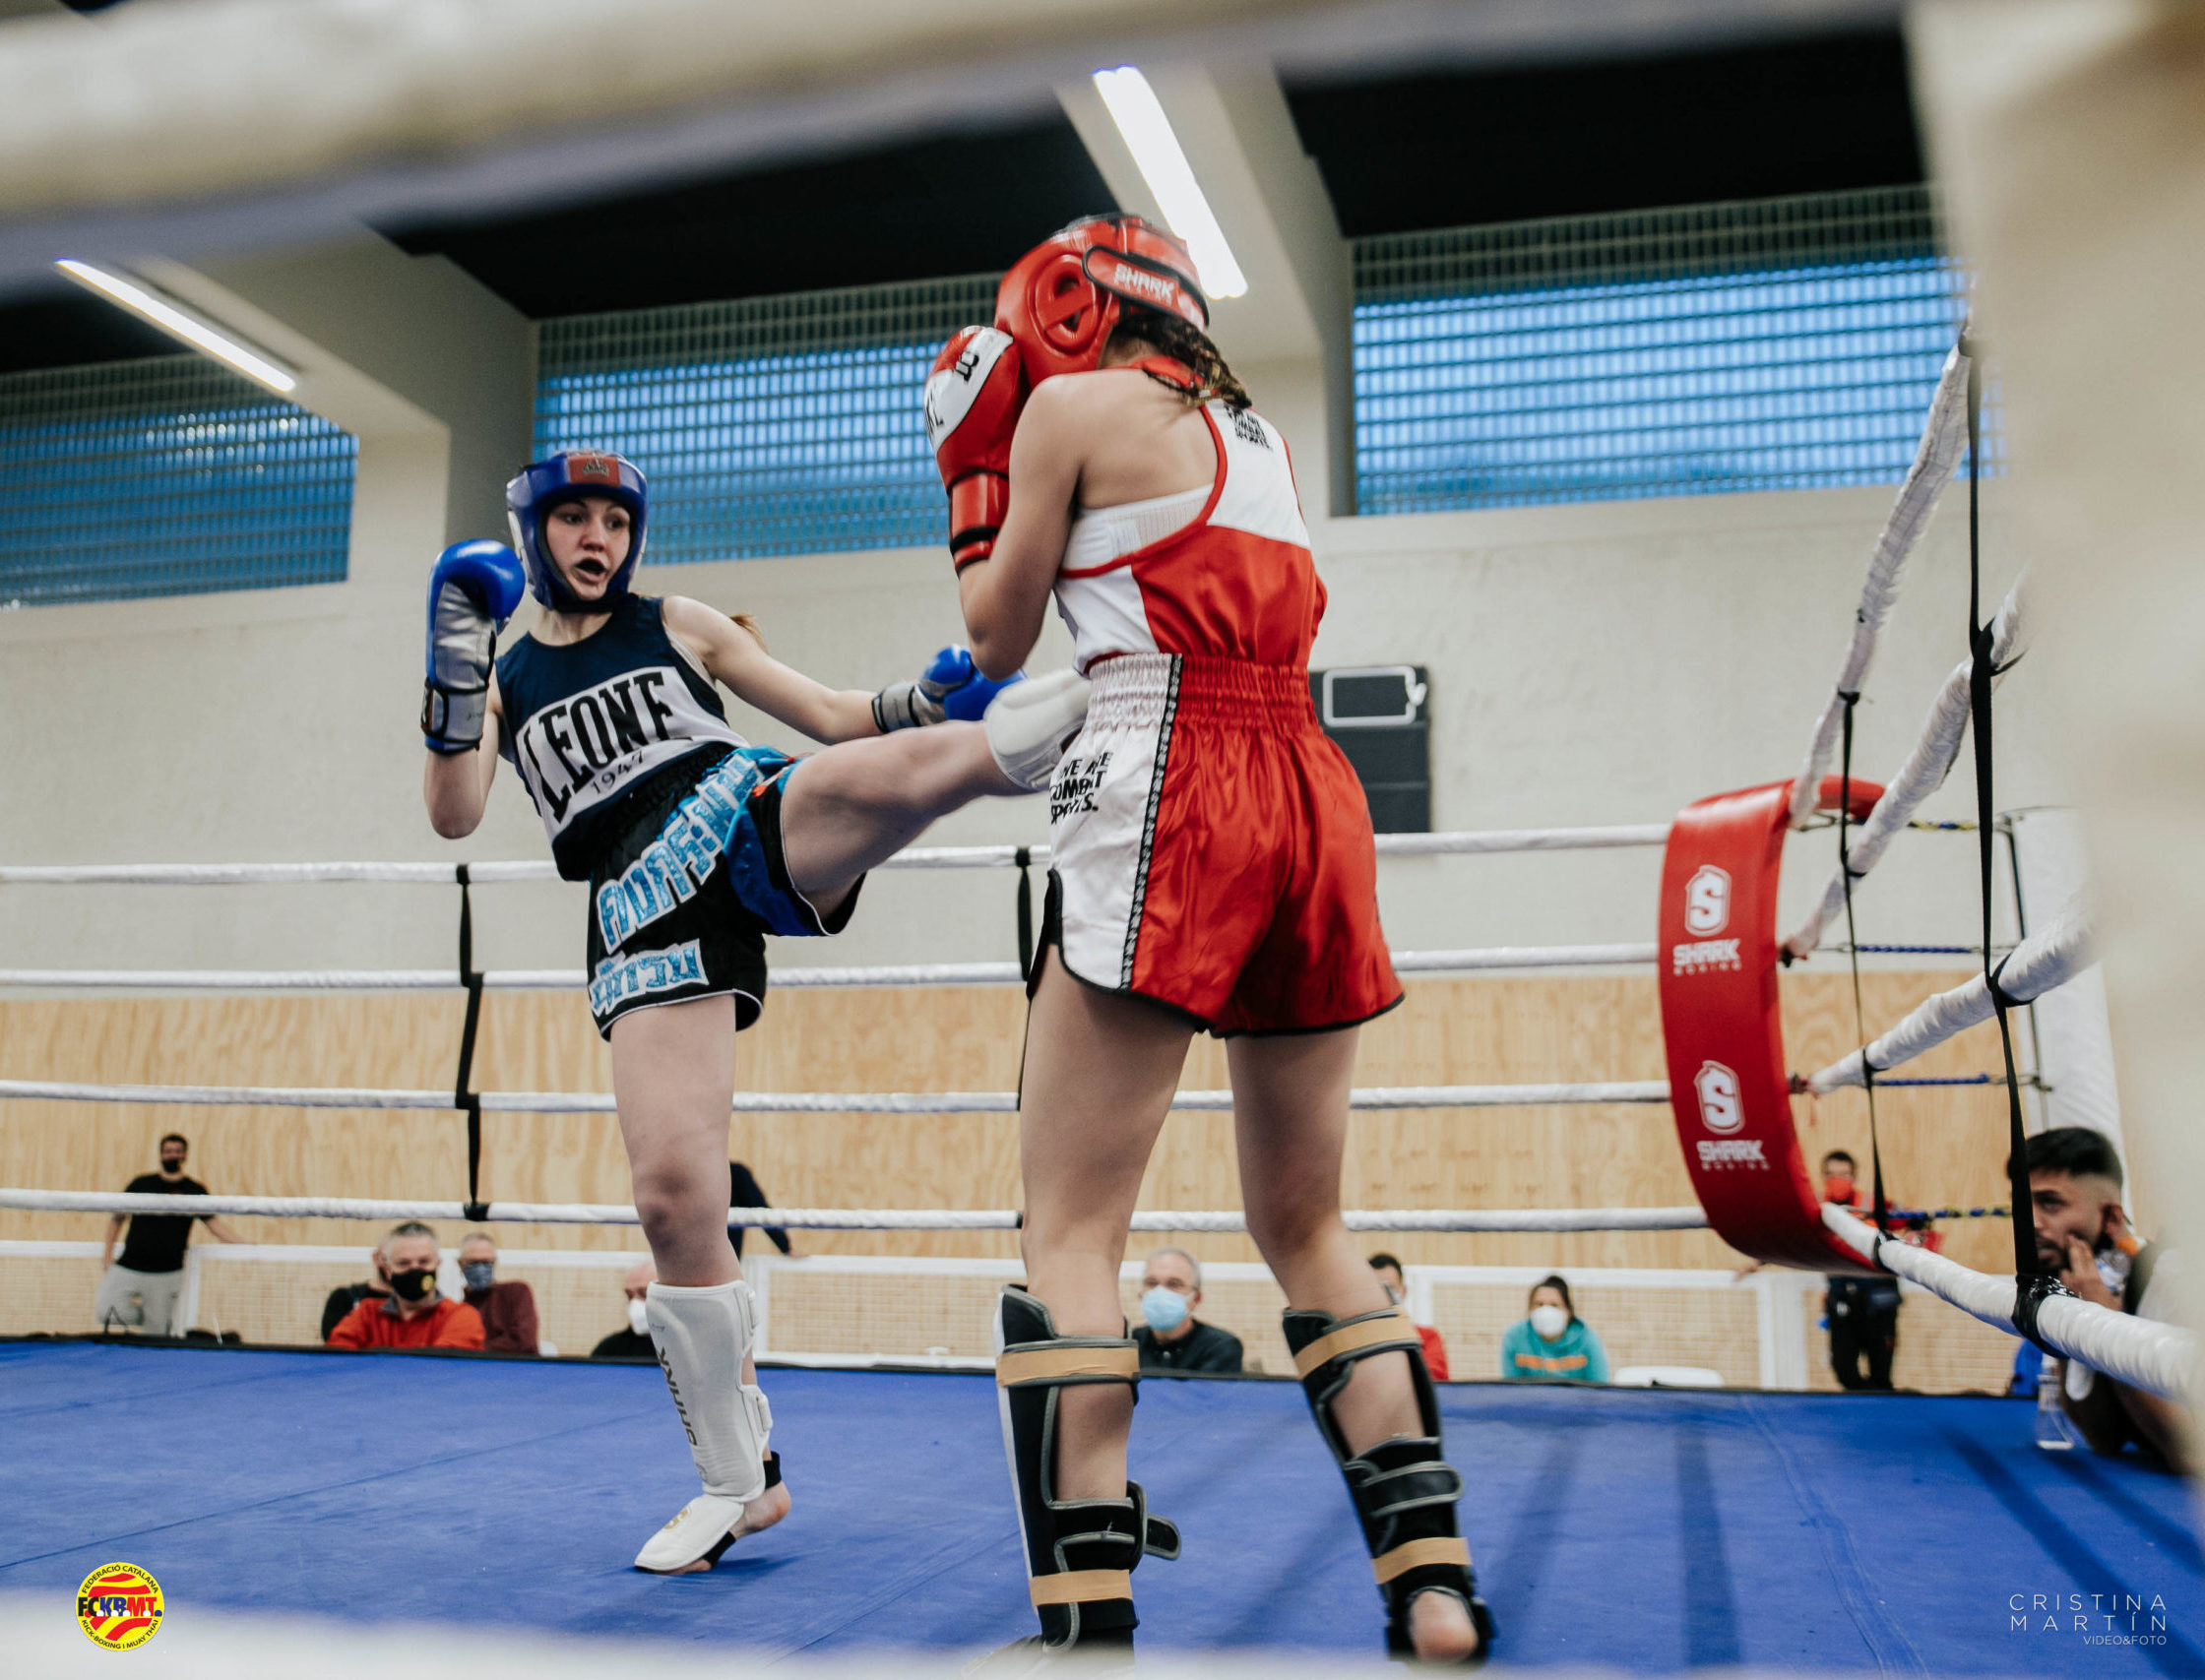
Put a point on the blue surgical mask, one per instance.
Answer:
(1165, 1309)
(478, 1272)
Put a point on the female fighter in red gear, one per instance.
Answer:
(1211, 867)
(695, 844)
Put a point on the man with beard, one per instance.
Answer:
(2084, 1236)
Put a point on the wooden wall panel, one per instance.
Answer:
(1941, 1145)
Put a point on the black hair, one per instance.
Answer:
(2076, 1151)
(1844, 1155)
(176, 1138)
(1557, 1282)
(1183, 341)
(1379, 1263)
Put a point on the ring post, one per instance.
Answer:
(464, 1095)
(1721, 1023)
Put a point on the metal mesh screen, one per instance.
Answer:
(1776, 345)
(854, 1308)
(165, 476)
(769, 426)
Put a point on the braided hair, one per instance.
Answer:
(1183, 341)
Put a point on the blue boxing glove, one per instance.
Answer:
(957, 685)
(950, 689)
(473, 590)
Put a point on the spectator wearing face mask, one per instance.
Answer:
(1552, 1344)
(139, 1290)
(507, 1310)
(1862, 1313)
(2084, 1238)
(414, 1314)
(1169, 1336)
(1397, 1291)
(634, 1342)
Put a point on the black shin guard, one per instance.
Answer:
(1404, 1490)
(1080, 1553)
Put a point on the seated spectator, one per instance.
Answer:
(508, 1310)
(415, 1314)
(2083, 1235)
(1552, 1344)
(346, 1296)
(1170, 1337)
(1397, 1291)
(634, 1342)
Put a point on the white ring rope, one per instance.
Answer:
(2144, 1353)
(2032, 969)
(797, 1102)
(884, 974)
(1922, 774)
(837, 1218)
(1944, 436)
(1476, 843)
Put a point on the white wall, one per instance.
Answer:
(1602, 662)
(1591, 664)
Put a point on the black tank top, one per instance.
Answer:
(589, 723)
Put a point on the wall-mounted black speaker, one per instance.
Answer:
(1381, 717)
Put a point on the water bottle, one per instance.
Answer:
(2055, 1433)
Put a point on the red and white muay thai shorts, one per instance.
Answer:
(1211, 851)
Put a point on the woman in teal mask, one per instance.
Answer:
(1553, 1344)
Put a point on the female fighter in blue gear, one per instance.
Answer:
(695, 844)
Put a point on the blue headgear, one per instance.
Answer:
(563, 477)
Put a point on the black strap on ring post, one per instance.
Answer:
(1024, 858)
(2033, 1284)
(1882, 1205)
(464, 1099)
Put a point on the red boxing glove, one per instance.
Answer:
(973, 397)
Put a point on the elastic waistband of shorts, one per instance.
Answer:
(1133, 688)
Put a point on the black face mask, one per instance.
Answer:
(175, 1169)
(412, 1285)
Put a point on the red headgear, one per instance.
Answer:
(1061, 300)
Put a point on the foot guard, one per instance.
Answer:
(701, 1531)
(1404, 1490)
(1080, 1553)
(1030, 723)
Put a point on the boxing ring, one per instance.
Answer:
(1623, 1529)
(1655, 1530)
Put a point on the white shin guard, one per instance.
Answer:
(1030, 723)
(703, 1336)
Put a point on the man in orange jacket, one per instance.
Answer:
(1396, 1288)
(414, 1314)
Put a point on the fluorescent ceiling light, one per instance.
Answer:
(1148, 135)
(141, 299)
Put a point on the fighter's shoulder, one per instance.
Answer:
(1098, 391)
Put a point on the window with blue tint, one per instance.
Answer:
(168, 476)
(1778, 345)
(774, 426)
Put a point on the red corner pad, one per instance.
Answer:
(1724, 1030)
